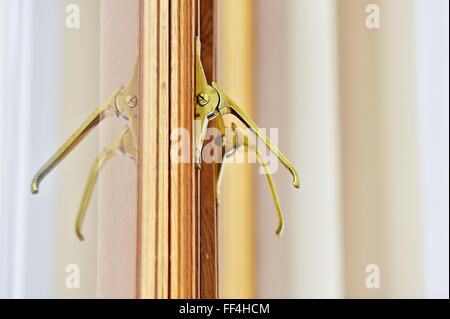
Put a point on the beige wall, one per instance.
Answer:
(236, 212)
(80, 97)
(117, 203)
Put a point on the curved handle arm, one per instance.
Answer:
(262, 161)
(107, 109)
(227, 106)
(118, 144)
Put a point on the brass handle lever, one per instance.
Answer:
(227, 106)
(213, 103)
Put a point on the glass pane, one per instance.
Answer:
(60, 60)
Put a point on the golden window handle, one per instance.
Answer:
(212, 102)
(227, 106)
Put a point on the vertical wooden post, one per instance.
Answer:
(183, 221)
(207, 210)
(153, 162)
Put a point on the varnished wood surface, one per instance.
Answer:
(153, 162)
(168, 226)
(183, 221)
(208, 211)
(177, 226)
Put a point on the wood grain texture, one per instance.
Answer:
(167, 228)
(183, 221)
(176, 202)
(153, 162)
(207, 186)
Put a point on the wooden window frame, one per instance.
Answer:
(177, 215)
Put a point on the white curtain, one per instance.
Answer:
(363, 115)
(30, 56)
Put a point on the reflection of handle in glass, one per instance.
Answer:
(107, 109)
(120, 144)
(122, 103)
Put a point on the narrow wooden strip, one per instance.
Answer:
(153, 168)
(183, 242)
(208, 212)
(163, 148)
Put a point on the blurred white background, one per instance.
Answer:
(362, 113)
